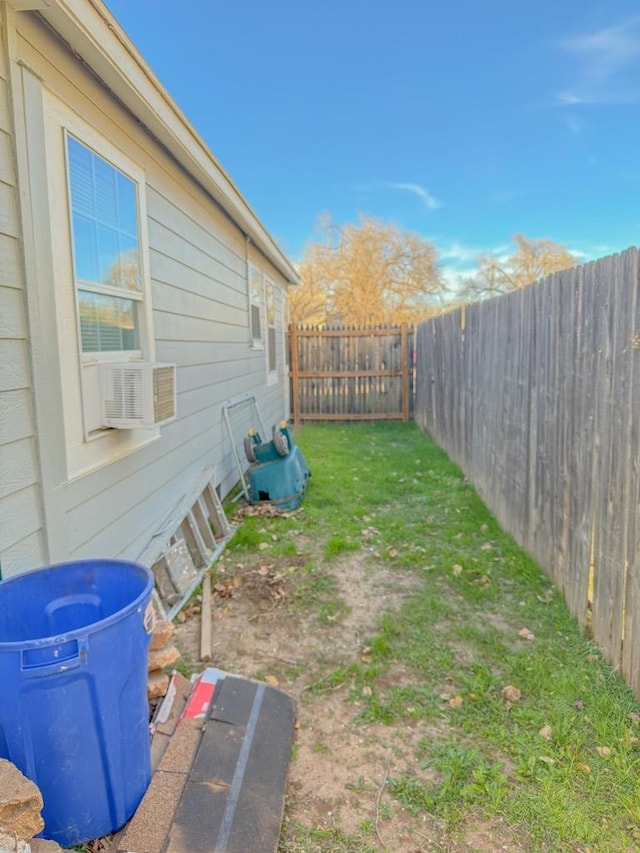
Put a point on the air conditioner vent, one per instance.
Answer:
(164, 392)
(137, 395)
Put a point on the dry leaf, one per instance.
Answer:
(526, 634)
(263, 546)
(272, 681)
(487, 546)
(546, 760)
(393, 552)
(584, 768)
(367, 691)
(511, 693)
(603, 751)
(545, 732)
(456, 701)
(457, 570)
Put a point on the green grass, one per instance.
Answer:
(559, 766)
(319, 840)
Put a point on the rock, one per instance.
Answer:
(162, 658)
(41, 845)
(157, 685)
(511, 693)
(162, 634)
(20, 802)
(10, 843)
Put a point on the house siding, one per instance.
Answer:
(21, 539)
(199, 301)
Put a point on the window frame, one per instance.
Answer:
(271, 338)
(286, 349)
(255, 295)
(139, 297)
(89, 446)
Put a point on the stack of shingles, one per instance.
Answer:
(20, 819)
(162, 654)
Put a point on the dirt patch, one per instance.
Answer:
(339, 774)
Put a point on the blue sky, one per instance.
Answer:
(462, 121)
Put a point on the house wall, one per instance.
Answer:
(21, 540)
(198, 268)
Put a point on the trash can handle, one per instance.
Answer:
(53, 657)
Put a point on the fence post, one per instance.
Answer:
(295, 381)
(404, 343)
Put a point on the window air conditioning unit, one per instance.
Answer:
(137, 395)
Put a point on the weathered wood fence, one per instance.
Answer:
(352, 374)
(537, 396)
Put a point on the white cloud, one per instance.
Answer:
(574, 124)
(500, 198)
(459, 260)
(427, 198)
(593, 251)
(603, 58)
(457, 252)
(423, 194)
(462, 256)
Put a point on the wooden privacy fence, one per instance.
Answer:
(352, 374)
(537, 396)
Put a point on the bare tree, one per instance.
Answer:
(531, 261)
(366, 273)
(308, 301)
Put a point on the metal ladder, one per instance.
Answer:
(186, 544)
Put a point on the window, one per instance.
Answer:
(285, 331)
(272, 372)
(106, 253)
(255, 307)
(91, 212)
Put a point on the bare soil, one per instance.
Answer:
(340, 766)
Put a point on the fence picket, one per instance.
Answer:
(539, 402)
(352, 374)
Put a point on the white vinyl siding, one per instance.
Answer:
(21, 521)
(111, 492)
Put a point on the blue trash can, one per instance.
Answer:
(74, 715)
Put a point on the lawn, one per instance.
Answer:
(472, 713)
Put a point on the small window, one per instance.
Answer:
(271, 331)
(255, 307)
(285, 332)
(106, 253)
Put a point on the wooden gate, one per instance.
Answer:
(352, 374)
